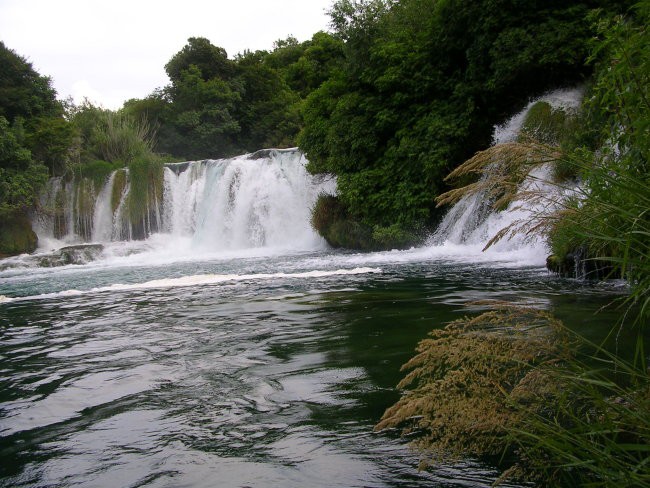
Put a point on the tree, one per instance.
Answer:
(210, 60)
(23, 92)
(20, 177)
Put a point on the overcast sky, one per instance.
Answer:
(113, 50)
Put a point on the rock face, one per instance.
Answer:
(79, 254)
(17, 236)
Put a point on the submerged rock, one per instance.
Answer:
(79, 254)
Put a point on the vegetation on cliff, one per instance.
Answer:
(215, 106)
(33, 140)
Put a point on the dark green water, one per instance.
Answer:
(245, 381)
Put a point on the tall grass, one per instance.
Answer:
(598, 433)
(119, 137)
(515, 384)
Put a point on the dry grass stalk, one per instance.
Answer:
(466, 377)
(501, 170)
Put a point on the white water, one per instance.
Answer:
(260, 201)
(471, 222)
(242, 203)
(103, 217)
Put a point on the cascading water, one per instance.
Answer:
(471, 222)
(263, 200)
(251, 201)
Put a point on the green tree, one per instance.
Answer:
(423, 83)
(20, 177)
(202, 114)
(211, 61)
(267, 113)
(24, 92)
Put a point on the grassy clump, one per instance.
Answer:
(509, 384)
(120, 138)
(467, 379)
(598, 431)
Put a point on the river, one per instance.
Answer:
(262, 369)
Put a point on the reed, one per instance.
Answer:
(119, 137)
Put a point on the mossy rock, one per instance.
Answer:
(577, 264)
(332, 221)
(78, 254)
(350, 234)
(544, 124)
(17, 236)
(143, 203)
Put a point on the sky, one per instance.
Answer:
(111, 51)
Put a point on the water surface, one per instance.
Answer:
(258, 370)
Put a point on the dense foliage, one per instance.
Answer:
(216, 106)
(422, 84)
(34, 138)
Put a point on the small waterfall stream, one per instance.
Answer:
(473, 222)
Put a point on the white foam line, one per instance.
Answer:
(195, 280)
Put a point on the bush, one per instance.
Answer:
(393, 237)
(98, 171)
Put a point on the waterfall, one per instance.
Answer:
(103, 216)
(256, 200)
(473, 222)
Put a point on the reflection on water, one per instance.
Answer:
(274, 382)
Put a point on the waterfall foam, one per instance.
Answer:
(103, 216)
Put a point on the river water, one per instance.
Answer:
(255, 369)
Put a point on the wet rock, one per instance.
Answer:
(78, 254)
(579, 266)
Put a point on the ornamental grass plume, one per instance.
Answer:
(515, 385)
(467, 380)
